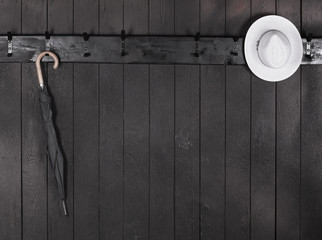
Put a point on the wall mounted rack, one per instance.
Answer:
(137, 49)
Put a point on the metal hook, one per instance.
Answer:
(123, 53)
(308, 47)
(9, 44)
(86, 37)
(197, 38)
(235, 48)
(39, 72)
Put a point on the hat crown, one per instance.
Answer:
(274, 49)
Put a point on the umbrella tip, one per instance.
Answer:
(64, 207)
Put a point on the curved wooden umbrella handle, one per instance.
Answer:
(39, 72)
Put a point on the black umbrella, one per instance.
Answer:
(53, 149)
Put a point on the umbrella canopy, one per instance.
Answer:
(54, 152)
(53, 149)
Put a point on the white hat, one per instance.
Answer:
(273, 48)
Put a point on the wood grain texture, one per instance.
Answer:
(60, 82)
(162, 17)
(263, 159)
(311, 154)
(86, 17)
(136, 131)
(260, 8)
(111, 17)
(311, 17)
(161, 152)
(136, 17)
(238, 153)
(10, 20)
(238, 110)
(187, 17)
(288, 141)
(288, 152)
(111, 130)
(290, 9)
(212, 137)
(162, 115)
(237, 17)
(10, 152)
(136, 152)
(111, 152)
(86, 159)
(212, 17)
(34, 16)
(187, 152)
(263, 175)
(10, 132)
(34, 158)
(60, 16)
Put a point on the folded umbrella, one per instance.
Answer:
(53, 148)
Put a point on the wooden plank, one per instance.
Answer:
(60, 16)
(10, 151)
(311, 195)
(111, 17)
(212, 17)
(263, 159)
(136, 131)
(237, 153)
(161, 17)
(86, 162)
(86, 130)
(263, 174)
(86, 17)
(162, 82)
(212, 130)
(111, 152)
(10, 132)
(238, 127)
(212, 152)
(288, 158)
(311, 166)
(60, 84)
(111, 130)
(34, 159)
(187, 152)
(311, 17)
(288, 141)
(187, 17)
(34, 16)
(161, 152)
(136, 152)
(290, 9)
(140, 49)
(260, 8)
(136, 15)
(237, 17)
(10, 12)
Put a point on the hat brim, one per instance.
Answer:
(254, 34)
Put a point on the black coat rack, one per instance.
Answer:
(137, 49)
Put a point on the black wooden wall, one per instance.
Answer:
(161, 151)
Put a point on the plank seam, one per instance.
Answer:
(200, 199)
(99, 148)
(301, 109)
(21, 151)
(123, 154)
(275, 225)
(250, 153)
(174, 151)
